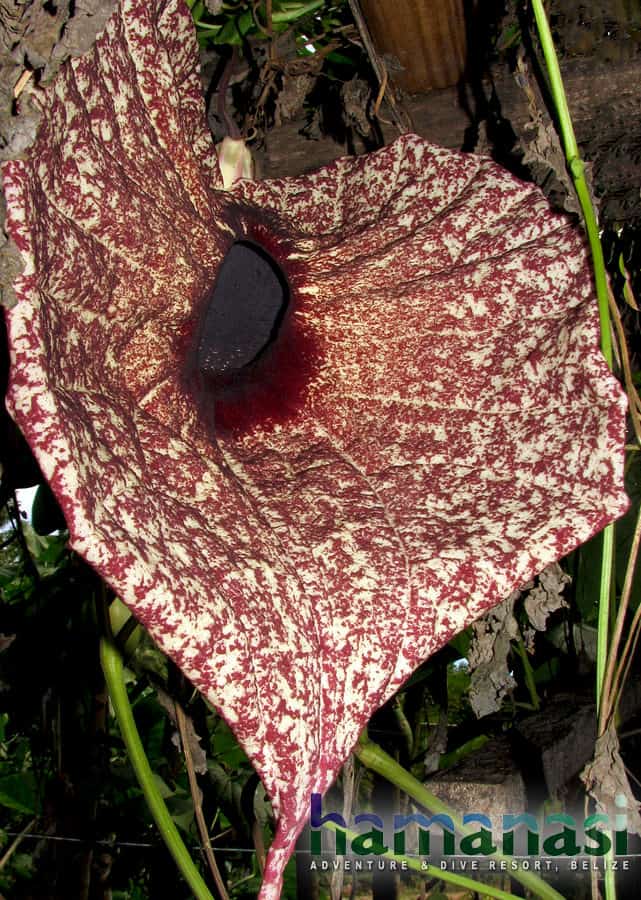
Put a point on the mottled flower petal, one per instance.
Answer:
(433, 426)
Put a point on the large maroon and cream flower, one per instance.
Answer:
(427, 423)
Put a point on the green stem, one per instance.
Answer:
(432, 871)
(529, 674)
(404, 726)
(113, 668)
(455, 756)
(577, 170)
(375, 758)
(603, 624)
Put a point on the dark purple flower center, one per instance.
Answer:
(243, 315)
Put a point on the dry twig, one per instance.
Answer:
(181, 721)
(11, 849)
(400, 121)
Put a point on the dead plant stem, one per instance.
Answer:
(181, 721)
(377, 65)
(13, 846)
(634, 402)
(618, 673)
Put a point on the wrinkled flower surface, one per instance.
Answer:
(434, 425)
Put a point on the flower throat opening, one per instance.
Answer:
(243, 315)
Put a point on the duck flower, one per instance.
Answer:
(307, 428)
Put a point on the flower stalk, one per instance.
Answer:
(113, 668)
(377, 760)
(528, 673)
(577, 171)
(576, 167)
(461, 881)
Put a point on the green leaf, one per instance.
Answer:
(154, 740)
(547, 671)
(181, 810)
(48, 552)
(339, 59)
(162, 787)
(289, 12)
(23, 865)
(587, 578)
(18, 792)
(625, 529)
(46, 515)
(235, 30)
(461, 643)
(226, 748)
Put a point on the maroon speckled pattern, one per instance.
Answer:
(450, 427)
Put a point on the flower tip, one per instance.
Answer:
(235, 161)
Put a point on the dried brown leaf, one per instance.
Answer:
(89, 19)
(44, 29)
(198, 755)
(545, 596)
(488, 657)
(6, 640)
(607, 782)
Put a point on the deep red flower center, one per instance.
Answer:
(250, 360)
